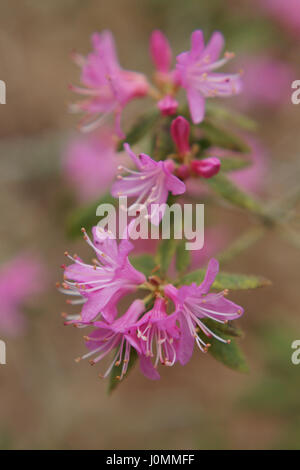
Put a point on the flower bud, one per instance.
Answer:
(180, 131)
(168, 105)
(207, 167)
(160, 51)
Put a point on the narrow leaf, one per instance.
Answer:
(221, 137)
(225, 188)
(229, 354)
(234, 163)
(183, 258)
(140, 129)
(227, 280)
(228, 115)
(165, 253)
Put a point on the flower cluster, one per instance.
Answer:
(163, 327)
(108, 88)
(158, 335)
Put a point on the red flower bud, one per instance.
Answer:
(168, 105)
(207, 167)
(180, 131)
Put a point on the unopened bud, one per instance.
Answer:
(207, 167)
(180, 131)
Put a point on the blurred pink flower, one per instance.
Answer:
(151, 183)
(286, 12)
(108, 87)
(90, 164)
(267, 82)
(20, 278)
(195, 71)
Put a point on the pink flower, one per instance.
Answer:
(195, 70)
(161, 52)
(108, 87)
(180, 132)
(159, 335)
(207, 167)
(286, 12)
(99, 286)
(151, 183)
(193, 304)
(115, 336)
(20, 278)
(90, 164)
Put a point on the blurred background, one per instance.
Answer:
(49, 401)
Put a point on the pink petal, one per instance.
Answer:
(211, 272)
(214, 46)
(196, 104)
(160, 51)
(175, 185)
(186, 342)
(147, 368)
(197, 44)
(96, 302)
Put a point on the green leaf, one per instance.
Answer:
(233, 164)
(227, 280)
(162, 144)
(228, 115)
(225, 188)
(117, 371)
(86, 217)
(144, 263)
(140, 129)
(228, 329)
(183, 257)
(221, 137)
(165, 253)
(229, 354)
